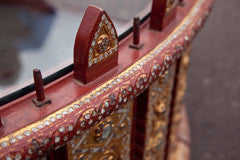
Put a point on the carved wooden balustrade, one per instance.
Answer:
(123, 100)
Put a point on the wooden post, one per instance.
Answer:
(40, 100)
(136, 34)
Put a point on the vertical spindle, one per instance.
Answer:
(136, 34)
(39, 87)
(40, 100)
(136, 30)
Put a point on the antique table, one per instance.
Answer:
(121, 99)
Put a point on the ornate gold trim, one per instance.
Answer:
(173, 38)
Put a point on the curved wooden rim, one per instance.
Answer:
(69, 119)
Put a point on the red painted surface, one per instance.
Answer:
(136, 31)
(157, 14)
(66, 89)
(21, 113)
(84, 38)
(169, 17)
(39, 88)
(159, 18)
(1, 125)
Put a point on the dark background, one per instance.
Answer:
(213, 93)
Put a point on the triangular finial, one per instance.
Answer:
(96, 45)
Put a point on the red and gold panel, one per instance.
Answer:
(105, 42)
(178, 109)
(159, 101)
(180, 147)
(85, 113)
(107, 140)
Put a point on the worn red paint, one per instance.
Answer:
(84, 38)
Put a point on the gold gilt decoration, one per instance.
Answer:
(158, 115)
(183, 33)
(178, 102)
(181, 150)
(171, 4)
(107, 140)
(105, 41)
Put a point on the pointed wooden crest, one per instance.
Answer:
(96, 45)
(162, 13)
